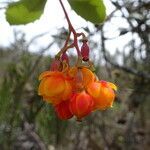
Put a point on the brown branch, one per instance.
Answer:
(30, 131)
(124, 68)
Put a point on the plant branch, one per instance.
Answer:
(66, 15)
(72, 30)
(130, 70)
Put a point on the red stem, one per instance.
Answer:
(66, 15)
(71, 28)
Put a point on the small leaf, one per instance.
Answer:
(24, 11)
(91, 10)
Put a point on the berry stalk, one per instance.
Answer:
(71, 30)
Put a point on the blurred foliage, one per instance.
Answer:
(24, 11)
(93, 11)
(27, 11)
(26, 122)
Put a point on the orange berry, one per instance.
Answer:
(54, 87)
(102, 94)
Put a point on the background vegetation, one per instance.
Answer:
(26, 122)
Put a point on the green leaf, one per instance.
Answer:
(91, 10)
(24, 11)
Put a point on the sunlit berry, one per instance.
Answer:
(63, 111)
(54, 87)
(81, 104)
(102, 93)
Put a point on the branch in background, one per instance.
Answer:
(124, 68)
(38, 109)
(38, 140)
(129, 137)
(33, 136)
(35, 38)
(130, 70)
(119, 7)
(102, 128)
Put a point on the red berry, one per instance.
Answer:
(85, 51)
(81, 104)
(63, 111)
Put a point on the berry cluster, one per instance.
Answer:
(75, 90)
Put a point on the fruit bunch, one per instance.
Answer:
(75, 90)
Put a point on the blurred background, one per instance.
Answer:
(120, 50)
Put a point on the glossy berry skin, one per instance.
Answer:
(85, 51)
(63, 111)
(81, 104)
(102, 93)
(52, 92)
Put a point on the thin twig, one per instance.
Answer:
(71, 29)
